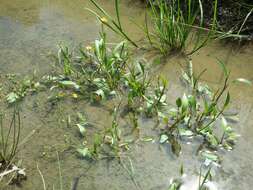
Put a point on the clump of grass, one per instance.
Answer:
(10, 172)
(9, 140)
(174, 29)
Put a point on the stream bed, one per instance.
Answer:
(29, 33)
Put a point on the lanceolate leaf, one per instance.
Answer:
(242, 80)
(175, 146)
(227, 100)
(224, 68)
(163, 138)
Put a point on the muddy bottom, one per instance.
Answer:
(29, 34)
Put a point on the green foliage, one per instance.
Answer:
(198, 114)
(174, 28)
(95, 72)
(65, 59)
(9, 140)
(178, 183)
(107, 144)
(156, 101)
(110, 22)
(19, 89)
(137, 82)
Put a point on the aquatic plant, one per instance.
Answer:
(65, 60)
(174, 28)
(112, 23)
(107, 144)
(94, 72)
(157, 100)
(201, 182)
(9, 140)
(103, 68)
(109, 63)
(73, 186)
(137, 82)
(20, 88)
(198, 114)
(112, 135)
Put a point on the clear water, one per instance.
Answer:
(30, 31)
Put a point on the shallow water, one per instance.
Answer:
(30, 31)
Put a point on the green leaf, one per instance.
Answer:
(224, 123)
(157, 61)
(100, 94)
(84, 152)
(69, 83)
(163, 138)
(12, 97)
(185, 103)
(175, 185)
(82, 129)
(224, 68)
(147, 139)
(179, 102)
(210, 108)
(181, 169)
(163, 98)
(141, 67)
(227, 100)
(210, 156)
(185, 132)
(212, 139)
(192, 102)
(242, 80)
(175, 146)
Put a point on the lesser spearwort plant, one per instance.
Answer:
(171, 27)
(201, 113)
(113, 23)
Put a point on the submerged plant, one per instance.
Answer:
(107, 144)
(137, 82)
(112, 135)
(156, 101)
(200, 182)
(19, 89)
(200, 113)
